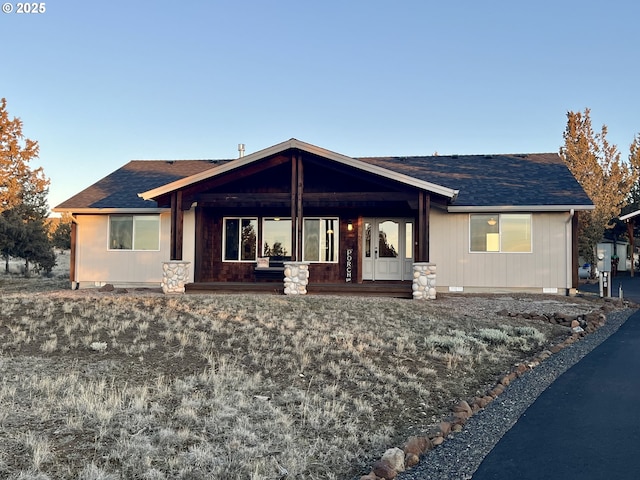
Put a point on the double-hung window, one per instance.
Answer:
(134, 232)
(240, 239)
(505, 232)
(320, 240)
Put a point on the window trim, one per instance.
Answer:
(224, 239)
(499, 217)
(133, 233)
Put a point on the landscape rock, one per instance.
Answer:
(411, 459)
(460, 417)
(437, 440)
(383, 469)
(445, 428)
(417, 445)
(556, 348)
(106, 288)
(395, 458)
(496, 391)
(463, 406)
(369, 476)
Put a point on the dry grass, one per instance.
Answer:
(140, 385)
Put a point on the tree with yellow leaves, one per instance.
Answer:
(23, 197)
(607, 179)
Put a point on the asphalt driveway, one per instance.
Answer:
(586, 424)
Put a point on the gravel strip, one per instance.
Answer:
(461, 454)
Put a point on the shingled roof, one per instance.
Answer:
(540, 179)
(532, 181)
(119, 190)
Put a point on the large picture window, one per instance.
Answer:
(507, 232)
(134, 232)
(276, 237)
(320, 240)
(240, 239)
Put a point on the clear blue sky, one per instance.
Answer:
(100, 83)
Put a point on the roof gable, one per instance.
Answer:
(306, 147)
(470, 182)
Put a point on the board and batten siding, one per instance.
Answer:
(96, 265)
(545, 267)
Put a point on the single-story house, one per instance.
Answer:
(487, 223)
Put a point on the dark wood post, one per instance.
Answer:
(294, 205)
(177, 217)
(422, 234)
(199, 245)
(297, 227)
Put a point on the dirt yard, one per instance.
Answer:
(140, 385)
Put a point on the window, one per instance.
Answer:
(276, 237)
(134, 232)
(320, 240)
(500, 233)
(240, 239)
(408, 241)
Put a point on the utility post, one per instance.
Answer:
(604, 268)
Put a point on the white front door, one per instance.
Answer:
(388, 248)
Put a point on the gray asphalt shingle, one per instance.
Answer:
(483, 180)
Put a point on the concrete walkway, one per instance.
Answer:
(586, 425)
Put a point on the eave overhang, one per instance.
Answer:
(306, 147)
(103, 211)
(516, 208)
(629, 216)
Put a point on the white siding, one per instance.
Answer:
(547, 266)
(97, 265)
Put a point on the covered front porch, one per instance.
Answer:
(358, 227)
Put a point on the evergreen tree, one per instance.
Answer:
(61, 234)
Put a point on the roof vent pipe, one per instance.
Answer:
(241, 150)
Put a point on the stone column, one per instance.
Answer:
(296, 278)
(424, 281)
(174, 276)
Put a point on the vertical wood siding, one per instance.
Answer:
(95, 264)
(544, 267)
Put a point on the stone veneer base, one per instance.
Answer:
(296, 278)
(424, 281)
(175, 275)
